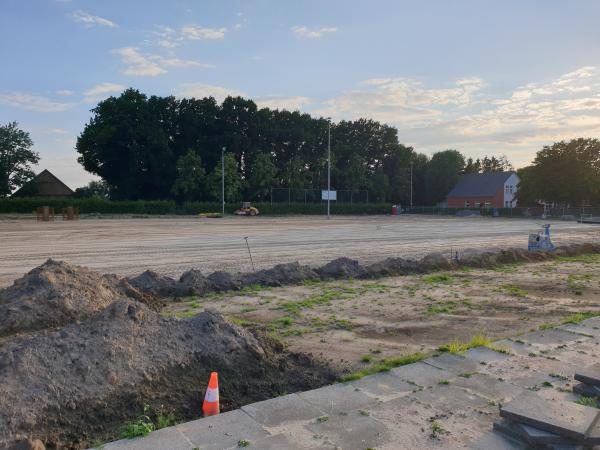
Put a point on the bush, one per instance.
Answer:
(101, 205)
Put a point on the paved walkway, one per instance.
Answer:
(445, 402)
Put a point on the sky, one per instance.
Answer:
(480, 76)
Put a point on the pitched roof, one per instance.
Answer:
(44, 184)
(480, 184)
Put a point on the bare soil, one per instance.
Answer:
(353, 324)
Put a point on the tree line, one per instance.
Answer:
(164, 148)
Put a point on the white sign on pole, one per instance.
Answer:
(332, 195)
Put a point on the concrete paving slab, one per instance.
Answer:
(564, 418)
(516, 346)
(489, 387)
(337, 398)
(454, 399)
(384, 386)
(587, 390)
(421, 374)
(280, 442)
(169, 438)
(353, 431)
(485, 355)
(496, 441)
(589, 375)
(581, 328)
(528, 434)
(551, 338)
(453, 363)
(276, 411)
(222, 431)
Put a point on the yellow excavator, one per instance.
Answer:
(247, 210)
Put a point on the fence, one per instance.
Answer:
(565, 213)
(299, 195)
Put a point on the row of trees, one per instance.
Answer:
(163, 147)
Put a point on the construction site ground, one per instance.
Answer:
(448, 401)
(172, 245)
(354, 324)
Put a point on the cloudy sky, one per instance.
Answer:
(481, 76)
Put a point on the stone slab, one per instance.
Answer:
(529, 434)
(490, 387)
(280, 442)
(485, 355)
(589, 375)
(278, 410)
(453, 363)
(353, 431)
(169, 438)
(337, 398)
(222, 431)
(421, 374)
(564, 418)
(551, 337)
(384, 386)
(586, 390)
(453, 399)
(582, 329)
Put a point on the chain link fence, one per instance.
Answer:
(299, 195)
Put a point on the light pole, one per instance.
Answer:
(328, 168)
(223, 180)
(411, 185)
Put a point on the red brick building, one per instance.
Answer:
(485, 190)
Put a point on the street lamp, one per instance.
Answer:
(223, 180)
(328, 168)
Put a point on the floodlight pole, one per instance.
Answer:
(328, 169)
(223, 180)
(411, 184)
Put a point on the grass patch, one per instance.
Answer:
(586, 258)
(580, 317)
(322, 298)
(438, 278)
(142, 426)
(242, 322)
(366, 358)
(437, 428)
(508, 268)
(479, 340)
(587, 401)
(514, 290)
(384, 366)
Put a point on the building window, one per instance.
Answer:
(506, 189)
(487, 204)
(511, 189)
(477, 204)
(506, 204)
(467, 204)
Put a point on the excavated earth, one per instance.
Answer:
(91, 355)
(82, 353)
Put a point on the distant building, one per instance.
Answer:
(44, 184)
(490, 189)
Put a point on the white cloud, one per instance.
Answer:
(64, 92)
(151, 65)
(57, 131)
(89, 20)
(294, 103)
(199, 90)
(196, 32)
(101, 91)
(316, 33)
(33, 102)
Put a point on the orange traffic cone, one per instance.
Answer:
(210, 407)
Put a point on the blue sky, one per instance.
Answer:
(484, 77)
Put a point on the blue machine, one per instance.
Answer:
(540, 241)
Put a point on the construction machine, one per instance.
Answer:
(247, 210)
(540, 240)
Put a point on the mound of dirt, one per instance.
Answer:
(435, 261)
(193, 282)
(392, 267)
(223, 281)
(279, 275)
(57, 293)
(156, 284)
(341, 268)
(71, 386)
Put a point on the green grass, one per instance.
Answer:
(438, 278)
(322, 418)
(580, 317)
(241, 322)
(479, 340)
(514, 290)
(508, 268)
(165, 419)
(437, 428)
(443, 382)
(586, 258)
(142, 426)
(366, 358)
(322, 298)
(243, 443)
(384, 366)
(587, 401)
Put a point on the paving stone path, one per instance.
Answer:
(445, 402)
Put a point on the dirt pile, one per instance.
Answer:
(70, 386)
(57, 293)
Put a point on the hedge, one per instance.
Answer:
(167, 207)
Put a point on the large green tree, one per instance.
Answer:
(234, 184)
(16, 158)
(443, 172)
(191, 179)
(260, 176)
(565, 172)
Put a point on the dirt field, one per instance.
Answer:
(352, 324)
(172, 245)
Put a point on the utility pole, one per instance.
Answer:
(411, 185)
(223, 180)
(328, 169)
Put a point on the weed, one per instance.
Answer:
(165, 419)
(247, 309)
(384, 366)
(580, 317)
(439, 278)
(241, 322)
(243, 443)
(363, 413)
(547, 384)
(443, 382)
(323, 298)
(466, 374)
(322, 418)
(479, 340)
(366, 358)
(437, 428)
(587, 401)
(142, 426)
(508, 268)
(586, 258)
(514, 290)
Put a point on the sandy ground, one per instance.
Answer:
(173, 245)
(352, 324)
